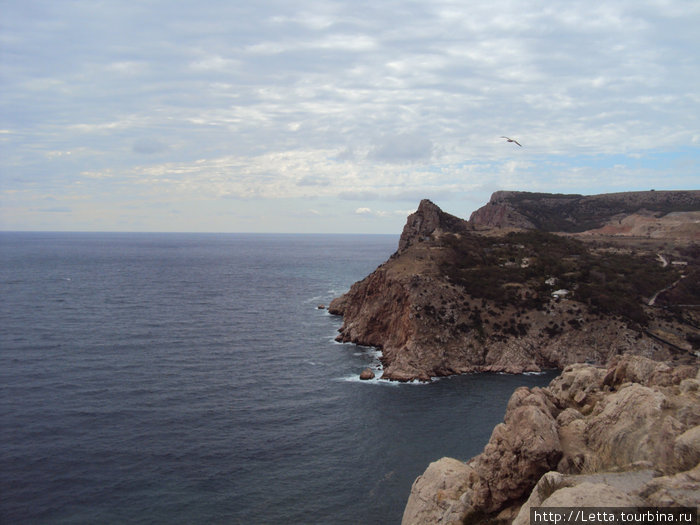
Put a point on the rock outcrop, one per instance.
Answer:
(622, 436)
(366, 374)
(452, 300)
(579, 213)
(429, 221)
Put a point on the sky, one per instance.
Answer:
(335, 116)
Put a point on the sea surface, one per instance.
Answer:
(190, 378)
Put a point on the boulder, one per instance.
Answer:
(686, 449)
(680, 490)
(589, 494)
(435, 496)
(367, 374)
(520, 451)
(635, 441)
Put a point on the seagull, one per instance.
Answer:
(512, 140)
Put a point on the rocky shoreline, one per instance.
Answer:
(624, 435)
(602, 287)
(452, 300)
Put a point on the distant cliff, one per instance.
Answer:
(454, 300)
(577, 213)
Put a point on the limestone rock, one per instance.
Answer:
(632, 443)
(430, 318)
(591, 495)
(578, 213)
(435, 496)
(428, 220)
(686, 449)
(547, 492)
(367, 374)
(519, 452)
(679, 490)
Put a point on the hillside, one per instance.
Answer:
(459, 296)
(578, 213)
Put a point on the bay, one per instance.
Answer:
(190, 378)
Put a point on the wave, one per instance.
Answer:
(378, 380)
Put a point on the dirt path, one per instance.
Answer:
(653, 298)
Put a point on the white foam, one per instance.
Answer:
(379, 380)
(315, 299)
(355, 378)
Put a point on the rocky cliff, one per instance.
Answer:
(578, 213)
(427, 222)
(454, 300)
(625, 435)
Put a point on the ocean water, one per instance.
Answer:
(190, 378)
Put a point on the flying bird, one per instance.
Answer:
(512, 140)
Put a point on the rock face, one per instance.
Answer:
(452, 300)
(626, 435)
(578, 213)
(429, 220)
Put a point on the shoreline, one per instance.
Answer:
(623, 435)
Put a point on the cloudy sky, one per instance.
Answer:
(334, 116)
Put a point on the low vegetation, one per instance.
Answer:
(522, 269)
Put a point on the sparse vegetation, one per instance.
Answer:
(611, 283)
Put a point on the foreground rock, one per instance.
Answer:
(451, 301)
(622, 436)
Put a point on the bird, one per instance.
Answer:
(512, 140)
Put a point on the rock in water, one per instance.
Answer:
(366, 374)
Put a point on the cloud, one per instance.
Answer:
(382, 213)
(348, 103)
(56, 209)
(402, 148)
(148, 146)
(214, 63)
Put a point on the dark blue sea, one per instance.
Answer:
(190, 378)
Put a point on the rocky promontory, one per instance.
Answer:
(627, 435)
(605, 288)
(458, 296)
(572, 213)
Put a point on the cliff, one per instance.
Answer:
(454, 300)
(624, 436)
(429, 221)
(574, 213)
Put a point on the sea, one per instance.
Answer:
(192, 378)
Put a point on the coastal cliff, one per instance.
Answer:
(573, 213)
(625, 435)
(606, 288)
(456, 297)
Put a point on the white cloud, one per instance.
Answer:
(214, 63)
(347, 103)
